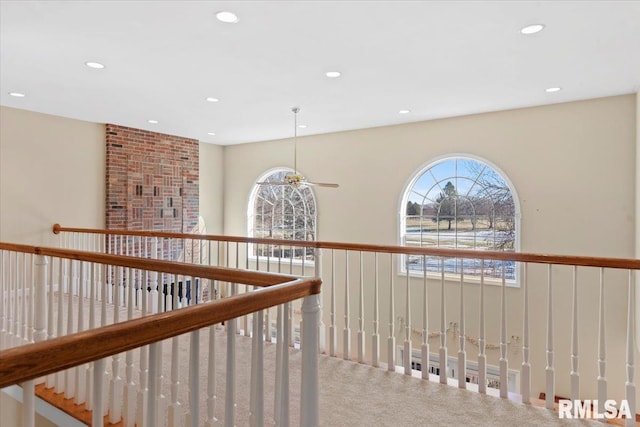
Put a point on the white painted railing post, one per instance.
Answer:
(504, 363)
(443, 328)
(98, 408)
(361, 313)
(482, 356)
(230, 394)
(322, 330)
(462, 353)
(391, 340)
(630, 385)
(333, 333)
(193, 416)
(309, 405)
(39, 334)
(574, 375)
(375, 337)
(424, 350)
(525, 383)
(407, 326)
(549, 370)
(602, 347)
(257, 373)
(346, 333)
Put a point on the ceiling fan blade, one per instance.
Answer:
(322, 184)
(272, 183)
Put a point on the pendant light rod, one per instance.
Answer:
(295, 111)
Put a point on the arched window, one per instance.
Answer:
(460, 202)
(282, 211)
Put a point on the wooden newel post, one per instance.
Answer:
(309, 405)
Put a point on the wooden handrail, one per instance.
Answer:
(31, 361)
(584, 261)
(254, 278)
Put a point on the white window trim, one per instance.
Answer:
(451, 277)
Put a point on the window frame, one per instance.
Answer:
(251, 215)
(402, 217)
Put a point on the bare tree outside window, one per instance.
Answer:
(460, 203)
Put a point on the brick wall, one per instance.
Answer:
(152, 180)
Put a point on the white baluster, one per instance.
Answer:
(462, 353)
(407, 326)
(504, 363)
(257, 373)
(424, 350)
(98, 409)
(310, 390)
(92, 324)
(525, 383)
(574, 375)
(282, 381)
(143, 391)
(482, 356)
(375, 336)
(154, 294)
(81, 381)
(549, 370)
(30, 301)
(116, 385)
(194, 375)
(211, 373)
(361, 313)
(60, 375)
(230, 395)
(333, 334)
(28, 404)
(24, 314)
(443, 329)
(280, 337)
(630, 385)
(346, 333)
(155, 368)
(70, 389)
(129, 396)
(602, 346)
(175, 408)
(391, 340)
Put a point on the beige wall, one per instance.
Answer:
(211, 187)
(51, 170)
(573, 167)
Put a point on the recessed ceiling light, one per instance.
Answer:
(333, 74)
(153, 122)
(17, 94)
(211, 133)
(95, 65)
(553, 89)
(532, 29)
(404, 111)
(302, 126)
(228, 17)
(212, 99)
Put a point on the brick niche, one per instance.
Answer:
(152, 180)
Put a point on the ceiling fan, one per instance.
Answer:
(296, 180)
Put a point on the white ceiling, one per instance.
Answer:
(435, 58)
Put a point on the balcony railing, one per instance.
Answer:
(92, 326)
(566, 327)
